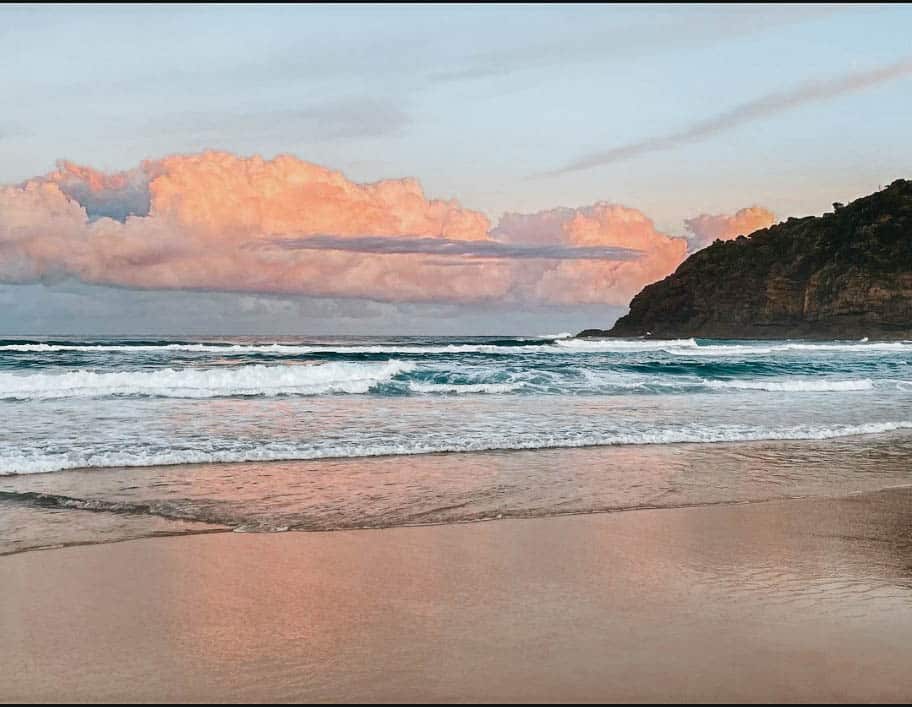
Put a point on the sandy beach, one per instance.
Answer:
(798, 600)
(474, 353)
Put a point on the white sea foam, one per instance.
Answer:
(277, 349)
(624, 345)
(602, 381)
(563, 343)
(723, 350)
(41, 462)
(465, 387)
(116, 348)
(363, 377)
(334, 377)
(794, 386)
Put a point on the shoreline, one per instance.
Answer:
(897, 430)
(798, 599)
(435, 524)
(99, 506)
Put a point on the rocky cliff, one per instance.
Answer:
(846, 274)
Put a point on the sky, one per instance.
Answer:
(417, 169)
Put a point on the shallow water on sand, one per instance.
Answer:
(100, 505)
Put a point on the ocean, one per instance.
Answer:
(109, 439)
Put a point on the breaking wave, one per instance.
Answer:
(399, 377)
(284, 451)
(795, 386)
(249, 380)
(563, 343)
(465, 387)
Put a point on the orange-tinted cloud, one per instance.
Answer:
(591, 281)
(217, 193)
(706, 228)
(216, 221)
(205, 210)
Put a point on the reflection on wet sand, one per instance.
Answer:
(381, 492)
(788, 600)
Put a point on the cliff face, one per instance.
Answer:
(847, 274)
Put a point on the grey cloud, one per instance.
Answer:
(127, 197)
(343, 119)
(600, 40)
(423, 245)
(765, 106)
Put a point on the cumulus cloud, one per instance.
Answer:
(706, 228)
(115, 195)
(218, 222)
(590, 281)
(218, 193)
(204, 209)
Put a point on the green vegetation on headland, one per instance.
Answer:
(846, 274)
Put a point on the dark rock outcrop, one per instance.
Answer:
(846, 274)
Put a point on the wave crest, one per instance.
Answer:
(275, 451)
(563, 343)
(333, 377)
(794, 386)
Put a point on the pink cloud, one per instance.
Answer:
(706, 228)
(220, 193)
(216, 221)
(205, 211)
(592, 281)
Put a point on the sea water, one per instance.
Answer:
(373, 432)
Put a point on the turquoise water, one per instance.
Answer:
(103, 403)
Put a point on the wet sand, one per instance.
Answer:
(795, 600)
